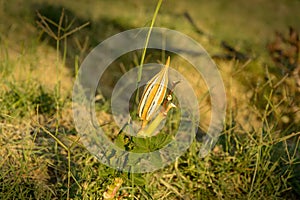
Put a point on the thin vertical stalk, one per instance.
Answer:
(146, 45)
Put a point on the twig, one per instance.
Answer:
(170, 187)
(192, 22)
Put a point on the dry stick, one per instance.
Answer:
(192, 22)
(285, 138)
(237, 54)
(177, 170)
(75, 30)
(281, 81)
(170, 187)
(296, 147)
(44, 26)
(60, 22)
(255, 172)
(296, 75)
(48, 20)
(242, 68)
(69, 157)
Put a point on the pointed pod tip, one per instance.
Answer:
(168, 61)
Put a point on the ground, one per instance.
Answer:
(257, 155)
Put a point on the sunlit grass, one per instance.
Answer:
(41, 157)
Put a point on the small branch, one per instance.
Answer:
(296, 75)
(192, 22)
(170, 187)
(75, 30)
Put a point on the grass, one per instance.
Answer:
(41, 157)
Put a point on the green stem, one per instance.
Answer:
(146, 45)
(149, 131)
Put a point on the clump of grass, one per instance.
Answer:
(21, 100)
(43, 159)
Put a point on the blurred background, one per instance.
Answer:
(255, 46)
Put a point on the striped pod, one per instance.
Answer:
(153, 95)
